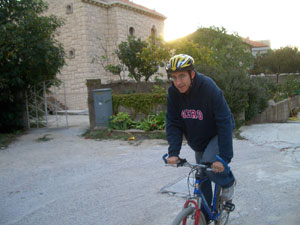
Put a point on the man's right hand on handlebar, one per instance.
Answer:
(172, 160)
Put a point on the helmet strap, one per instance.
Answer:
(192, 79)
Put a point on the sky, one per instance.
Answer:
(277, 21)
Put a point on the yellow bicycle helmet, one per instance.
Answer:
(180, 62)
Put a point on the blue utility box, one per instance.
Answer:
(103, 106)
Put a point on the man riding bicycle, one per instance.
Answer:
(197, 109)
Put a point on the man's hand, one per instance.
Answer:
(218, 167)
(172, 160)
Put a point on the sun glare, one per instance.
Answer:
(185, 18)
(173, 31)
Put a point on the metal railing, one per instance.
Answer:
(43, 107)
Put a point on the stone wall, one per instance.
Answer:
(126, 87)
(73, 37)
(141, 25)
(94, 28)
(280, 78)
(277, 112)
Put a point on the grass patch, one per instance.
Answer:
(294, 119)
(8, 138)
(107, 134)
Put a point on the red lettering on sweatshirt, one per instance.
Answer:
(200, 115)
(191, 114)
(183, 114)
(187, 113)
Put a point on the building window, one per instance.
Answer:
(153, 32)
(69, 8)
(131, 31)
(71, 53)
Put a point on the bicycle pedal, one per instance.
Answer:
(228, 206)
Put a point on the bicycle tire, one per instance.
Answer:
(186, 213)
(224, 214)
(223, 218)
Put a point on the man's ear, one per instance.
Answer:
(193, 74)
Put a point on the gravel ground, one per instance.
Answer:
(67, 179)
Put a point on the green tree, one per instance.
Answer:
(201, 54)
(153, 55)
(229, 52)
(283, 60)
(29, 54)
(142, 58)
(128, 52)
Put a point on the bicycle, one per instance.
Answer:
(191, 212)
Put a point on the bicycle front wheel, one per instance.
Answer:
(189, 215)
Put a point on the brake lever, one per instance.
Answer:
(180, 162)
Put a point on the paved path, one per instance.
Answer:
(71, 180)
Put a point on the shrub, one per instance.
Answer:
(153, 122)
(289, 87)
(259, 92)
(11, 115)
(140, 102)
(121, 121)
(245, 94)
(235, 87)
(294, 112)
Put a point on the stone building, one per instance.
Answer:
(94, 28)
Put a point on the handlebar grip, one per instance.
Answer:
(165, 158)
(227, 168)
(180, 161)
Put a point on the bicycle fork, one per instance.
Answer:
(197, 204)
(197, 208)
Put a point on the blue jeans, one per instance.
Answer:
(224, 179)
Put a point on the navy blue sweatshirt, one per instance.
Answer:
(199, 115)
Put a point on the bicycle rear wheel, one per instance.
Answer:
(224, 214)
(223, 218)
(189, 214)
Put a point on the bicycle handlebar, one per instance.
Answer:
(184, 162)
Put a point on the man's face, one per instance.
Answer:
(182, 80)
